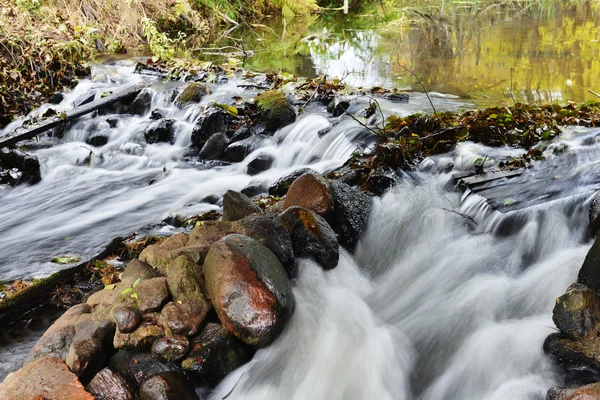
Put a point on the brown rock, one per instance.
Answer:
(47, 378)
(249, 289)
(588, 392)
(171, 348)
(108, 385)
(166, 386)
(151, 294)
(87, 353)
(312, 192)
(126, 317)
(577, 312)
(210, 231)
(185, 318)
(237, 205)
(196, 254)
(136, 366)
(138, 269)
(142, 338)
(159, 255)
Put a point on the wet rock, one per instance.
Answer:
(171, 348)
(241, 134)
(160, 131)
(261, 163)
(214, 120)
(282, 185)
(382, 180)
(275, 110)
(48, 378)
(249, 289)
(158, 255)
(151, 294)
(311, 236)
(577, 313)
(215, 352)
(579, 359)
(239, 150)
(84, 99)
(137, 367)
(183, 318)
(56, 98)
(166, 386)
(214, 146)
(112, 122)
(337, 107)
(589, 274)
(588, 392)
(87, 353)
(108, 385)
(157, 114)
(142, 338)
(193, 253)
(184, 280)
(397, 97)
(25, 168)
(211, 231)
(97, 140)
(193, 93)
(351, 212)
(312, 192)
(254, 189)
(237, 206)
(594, 214)
(139, 269)
(141, 103)
(126, 317)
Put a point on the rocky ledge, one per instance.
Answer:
(197, 305)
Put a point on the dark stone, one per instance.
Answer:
(214, 146)
(589, 274)
(28, 166)
(97, 140)
(241, 134)
(237, 206)
(397, 97)
(350, 213)
(143, 337)
(311, 236)
(214, 120)
(192, 93)
(337, 107)
(275, 110)
(587, 392)
(151, 294)
(381, 181)
(578, 360)
(112, 122)
(239, 150)
(84, 99)
(183, 319)
(108, 385)
(160, 131)
(261, 163)
(137, 367)
(141, 103)
(166, 386)
(91, 342)
(249, 289)
(594, 214)
(215, 352)
(157, 114)
(254, 189)
(281, 186)
(56, 98)
(126, 317)
(171, 348)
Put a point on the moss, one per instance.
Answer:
(193, 93)
(275, 109)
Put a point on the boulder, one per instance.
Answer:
(589, 274)
(249, 289)
(193, 253)
(261, 163)
(141, 103)
(350, 215)
(282, 185)
(108, 385)
(312, 192)
(210, 231)
(214, 120)
(577, 313)
(311, 236)
(91, 342)
(184, 318)
(275, 110)
(215, 352)
(159, 256)
(579, 359)
(192, 93)
(171, 348)
(588, 392)
(138, 269)
(25, 168)
(594, 214)
(160, 131)
(239, 150)
(337, 107)
(166, 386)
(137, 367)
(214, 146)
(237, 206)
(151, 294)
(127, 318)
(242, 133)
(47, 378)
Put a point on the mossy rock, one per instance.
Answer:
(193, 93)
(275, 110)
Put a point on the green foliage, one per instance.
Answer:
(29, 5)
(160, 43)
(295, 7)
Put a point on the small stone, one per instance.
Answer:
(108, 385)
(312, 192)
(137, 367)
(171, 348)
(261, 163)
(160, 131)
(166, 386)
(56, 98)
(282, 185)
(142, 338)
(185, 318)
(337, 107)
(126, 317)
(192, 93)
(237, 206)
(151, 294)
(142, 102)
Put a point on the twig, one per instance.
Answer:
(461, 214)
(316, 90)
(511, 86)
(362, 124)
(594, 93)
(226, 18)
(421, 84)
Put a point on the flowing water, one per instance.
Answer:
(444, 298)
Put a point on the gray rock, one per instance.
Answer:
(160, 131)
(237, 206)
(351, 212)
(214, 146)
(261, 163)
(214, 120)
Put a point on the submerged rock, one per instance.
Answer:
(237, 206)
(579, 359)
(337, 107)
(249, 289)
(141, 103)
(97, 140)
(275, 110)
(160, 131)
(18, 167)
(239, 150)
(312, 192)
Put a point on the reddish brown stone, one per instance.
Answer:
(108, 385)
(47, 378)
(588, 392)
(312, 192)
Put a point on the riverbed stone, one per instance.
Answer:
(160, 131)
(138, 366)
(27, 167)
(275, 110)
(214, 146)
(151, 294)
(282, 185)
(261, 163)
(143, 337)
(337, 107)
(126, 317)
(350, 215)
(47, 378)
(141, 103)
(587, 392)
(239, 150)
(91, 342)
(171, 348)
(215, 352)
(577, 313)
(249, 289)
(184, 318)
(210, 231)
(159, 256)
(589, 274)
(166, 386)
(237, 206)
(594, 214)
(192, 93)
(578, 359)
(311, 236)
(108, 385)
(311, 191)
(214, 120)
